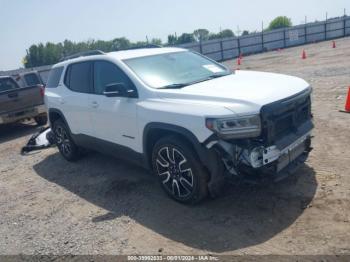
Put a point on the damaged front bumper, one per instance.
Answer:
(256, 162)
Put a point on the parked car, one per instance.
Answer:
(20, 103)
(190, 120)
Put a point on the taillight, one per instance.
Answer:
(42, 90)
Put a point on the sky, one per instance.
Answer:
(27, 22)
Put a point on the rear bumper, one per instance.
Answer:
(22, 114)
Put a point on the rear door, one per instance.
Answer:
(74, 97)
(13, 98)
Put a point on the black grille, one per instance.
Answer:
(286, 116)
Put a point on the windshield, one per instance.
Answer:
(175, 70)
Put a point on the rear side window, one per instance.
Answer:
(54, 77)
(32, 79)
(7, 84)
(79, 78)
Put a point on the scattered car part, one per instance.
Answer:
(41, 140)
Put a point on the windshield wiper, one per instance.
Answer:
(209, 78)
(181, 85)
(216, 76)
(173, 86)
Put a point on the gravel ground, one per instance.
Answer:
(101, 205)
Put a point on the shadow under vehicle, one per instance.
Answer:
(244, 216)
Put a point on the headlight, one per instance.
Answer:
(240, 127)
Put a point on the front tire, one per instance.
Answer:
(68, 149)
(179, 171)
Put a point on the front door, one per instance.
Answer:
(113, 118)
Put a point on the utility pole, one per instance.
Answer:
(221, 46)
(262, 35)
(238, 31)
(305, 30)
(325, 27)
(344, 23)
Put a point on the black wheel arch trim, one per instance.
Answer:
(59, 112)
(200, 149)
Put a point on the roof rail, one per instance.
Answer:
(80, 54)
(143, 46)
(99, 52)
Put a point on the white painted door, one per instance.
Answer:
(114, 119)
(74, 102)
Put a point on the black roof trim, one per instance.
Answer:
(85, 53)
(99, 52)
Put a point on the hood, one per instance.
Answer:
(243, 92)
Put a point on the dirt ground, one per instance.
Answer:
(101, 205)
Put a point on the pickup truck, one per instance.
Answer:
(190, 120)
(31, 78)
(21, 103)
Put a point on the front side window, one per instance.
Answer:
(78, 77)
(175, 69)
(106, 73)
(7, 84)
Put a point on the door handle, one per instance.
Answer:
(61, 101)
(94, 104)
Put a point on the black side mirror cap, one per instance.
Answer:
(115, 90)
(119, 90)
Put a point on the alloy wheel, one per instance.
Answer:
(63, 140)
(174, 172)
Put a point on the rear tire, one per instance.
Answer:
(68, 149)
(41, 120)
(179, 170)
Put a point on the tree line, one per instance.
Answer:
(51, 53)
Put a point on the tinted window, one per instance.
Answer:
(106, 73)
(32, 79)
(54, 77)
(78, 77)
(7, 84)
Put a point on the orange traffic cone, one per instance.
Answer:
(303, 56)
(347, 104)
(334, 45)
(239, 61)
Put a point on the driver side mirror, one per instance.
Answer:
(116, 90)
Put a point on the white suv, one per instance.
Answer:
(184, 116)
